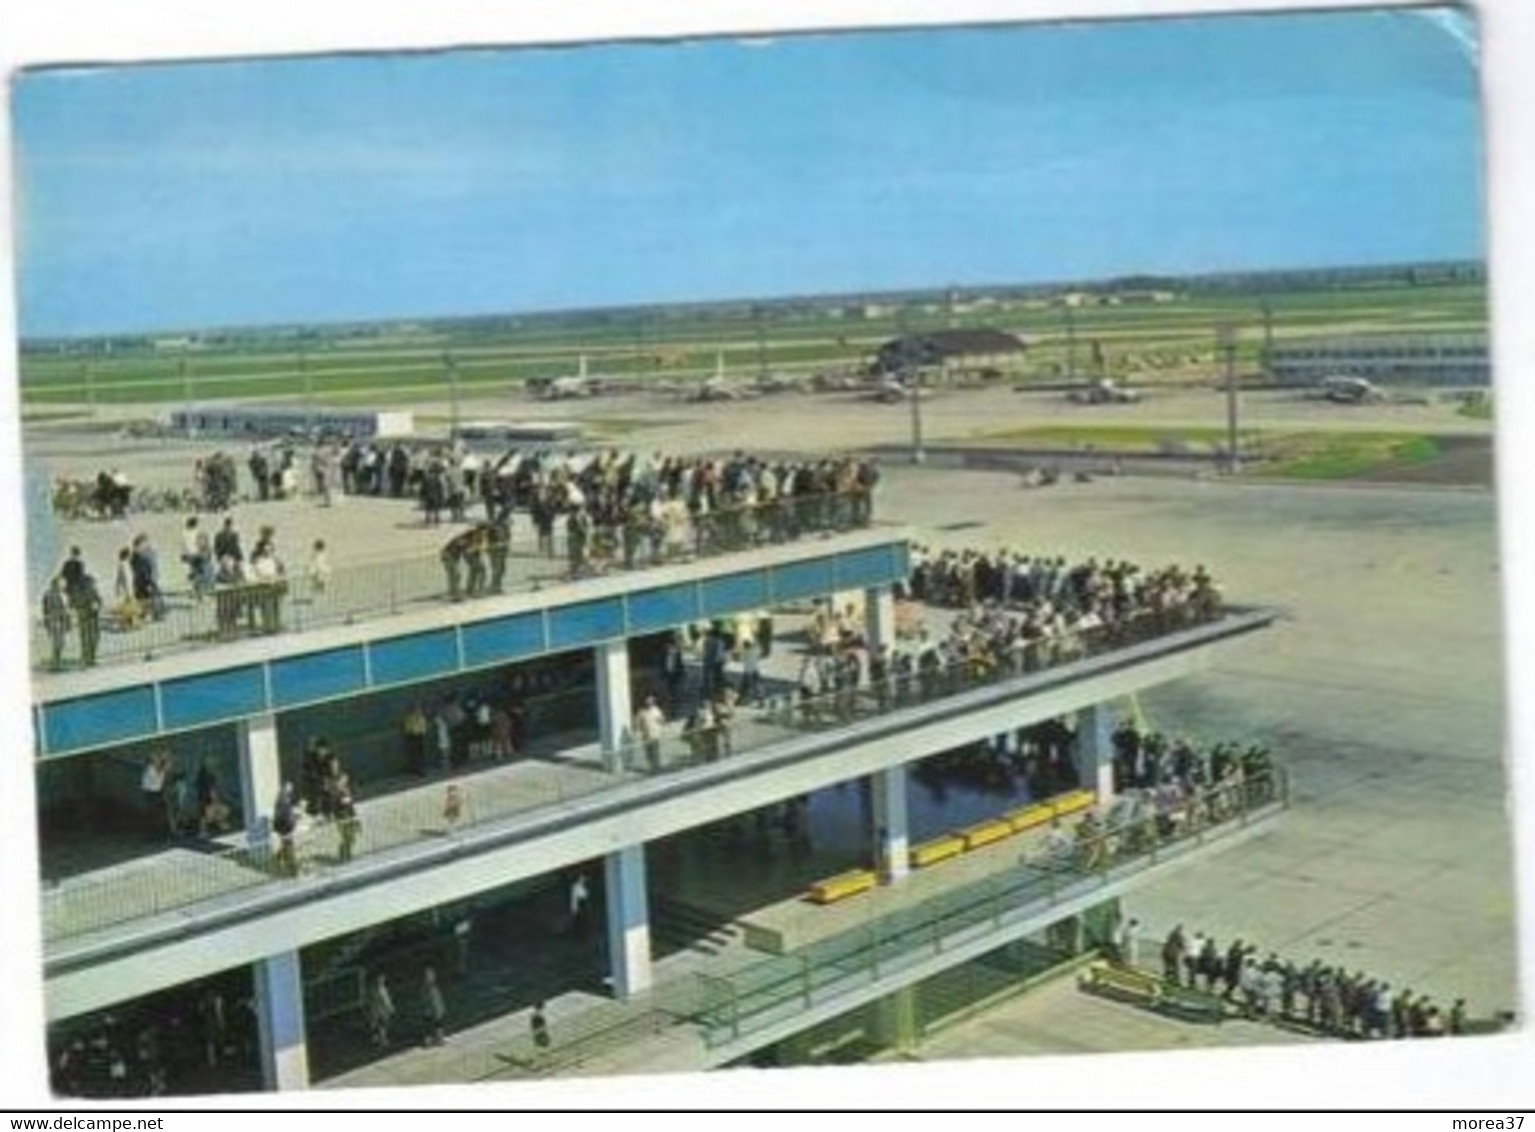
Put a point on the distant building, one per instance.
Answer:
(1422, 359)
(970, 347)
(259, 423)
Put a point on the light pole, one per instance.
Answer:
(452, 368)
(1225, 337)
(1071, 339)
(911, 381)
(308, 381)
(186, 391)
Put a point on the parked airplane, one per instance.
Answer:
(1349, 390)
(1103, 392)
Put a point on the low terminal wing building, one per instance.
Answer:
(978, 349)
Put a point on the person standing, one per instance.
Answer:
(347, 823)
(415, 729)
(226, 544)
(56, 621)
(87, 608)
(380, 1011)
(318, 570)
(648, 722)
(498, 548)
(285, 826)
(674, 671)
(433, 1009)
(580, 897)
(152, 785)
(452, 806)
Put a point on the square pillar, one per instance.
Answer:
(891, 832)
(279, 984)
(614, 706)
(879, 616)
(895, 1020)
(260, 776)
(628, 921)
(1095, 751)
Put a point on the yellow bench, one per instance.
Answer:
(1030, 817)
(842, 886)
(1074, 801)
(939, 849)
(984, 833)
(1122, 983)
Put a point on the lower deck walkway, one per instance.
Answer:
(683, 1024)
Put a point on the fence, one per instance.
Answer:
(774, 990)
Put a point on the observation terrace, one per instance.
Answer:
(159, 921)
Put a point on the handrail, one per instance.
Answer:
(1049, 876)
(720, 1009)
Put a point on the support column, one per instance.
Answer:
(891, 835)
(615, 709)
(879, 616)
(280, 1022)
(628, 921)
(895, 1021)
(260, 776)
(1095, 751)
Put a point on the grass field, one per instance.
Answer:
(1307, 455)
(1146, 342)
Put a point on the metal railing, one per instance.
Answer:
(184, 617)
(723, 1012)
(768, 993)
(421, 816)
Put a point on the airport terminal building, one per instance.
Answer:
(594, 887)
(1414, 359)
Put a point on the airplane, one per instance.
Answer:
(570, 388)
(561, 388)
(890, 391)
(718, 389)
(1343, 390)
(1103, 392)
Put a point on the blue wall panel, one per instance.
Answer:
(89, 722)
(800, 580)
(651, 611)
(586, 624)
(420, 657)
(505, 639)
(95, 721)
(735, 593)
(319, 676)
(860, 568)
(198, 700)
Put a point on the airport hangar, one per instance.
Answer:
(123, 931)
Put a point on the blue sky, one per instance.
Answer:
(380, 186)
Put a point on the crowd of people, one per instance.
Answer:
(617, 509)
(181, 1043)
(1327, 998)
(248, 588)
(1061, 595)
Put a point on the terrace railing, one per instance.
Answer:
(724, 1011)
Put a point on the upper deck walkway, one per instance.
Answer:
(391, 625)
(543, 813)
